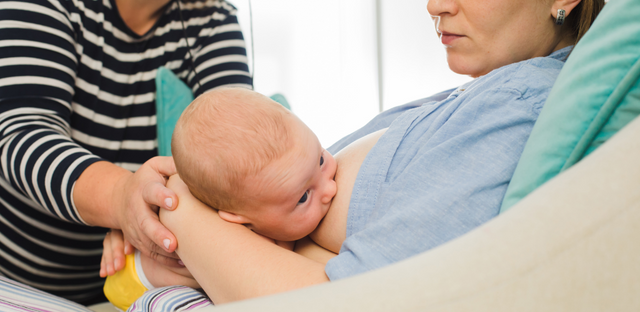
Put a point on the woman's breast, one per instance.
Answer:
(332, 230)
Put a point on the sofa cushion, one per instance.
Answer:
(596, 94)
(172, 97)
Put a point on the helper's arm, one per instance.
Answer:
(264, 268)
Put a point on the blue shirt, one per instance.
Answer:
(443, 166)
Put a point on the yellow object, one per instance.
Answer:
(124, 287)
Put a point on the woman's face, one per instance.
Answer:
(482, 35)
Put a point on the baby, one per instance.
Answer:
(255, 162)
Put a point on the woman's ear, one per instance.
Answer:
(567, 5)
(232, 217)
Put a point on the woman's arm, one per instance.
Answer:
(41, 164)
(237, 264)
(218, 54)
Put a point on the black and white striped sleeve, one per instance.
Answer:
(219, 51)
(38, 61)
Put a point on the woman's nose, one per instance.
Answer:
(439, 7)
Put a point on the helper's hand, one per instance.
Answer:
(139, 196)
(114, 249)
(160, 275)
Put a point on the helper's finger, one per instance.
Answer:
(167, 261)
(128, 248)
(162, 240)
(107, 256)
(163, 165)
(117, 250)
(156, 194)
(103, 267)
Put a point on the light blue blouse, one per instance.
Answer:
(443, 166)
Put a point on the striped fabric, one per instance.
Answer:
(15, 296)
(18, 297)
(172, 298)
(77, 86)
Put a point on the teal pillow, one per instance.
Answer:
(172, 97)
(282, 100)
(596, 94)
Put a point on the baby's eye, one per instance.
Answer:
(321, 160)
(304, 198)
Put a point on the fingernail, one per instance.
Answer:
(115, 263)
(168, 202)
(180, 262)
(166, 242)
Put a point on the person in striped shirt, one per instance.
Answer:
(253, 161)
(77, 118)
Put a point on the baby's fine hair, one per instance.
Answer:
(225, 136)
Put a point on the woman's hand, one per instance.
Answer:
(112, 197)
(113, 251)
(139, 197)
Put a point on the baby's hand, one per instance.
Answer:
(114, 249)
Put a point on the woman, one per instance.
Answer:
(78, 115)
(440, 169)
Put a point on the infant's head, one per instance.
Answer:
(258, 164)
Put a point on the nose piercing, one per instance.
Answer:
(561, 16)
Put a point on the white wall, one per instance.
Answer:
(413, 60)
(323, 57)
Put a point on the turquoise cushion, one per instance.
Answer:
(596, 94)
(172, 97)
(281, 99)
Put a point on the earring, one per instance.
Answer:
(560, 18)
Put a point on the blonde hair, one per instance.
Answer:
(582, 17)
(225, 136)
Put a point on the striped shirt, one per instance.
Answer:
(77, 86)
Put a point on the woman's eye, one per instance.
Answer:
(304, 198)
(321, 160)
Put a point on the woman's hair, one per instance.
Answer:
(583, 16)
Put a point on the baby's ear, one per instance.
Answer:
(232, 217)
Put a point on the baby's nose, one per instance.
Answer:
(330, 190)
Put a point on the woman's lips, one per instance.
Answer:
(448, 38)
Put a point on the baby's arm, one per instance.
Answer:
(233, 263)
(130, 277)
(160, 275)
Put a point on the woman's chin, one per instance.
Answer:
(466, 64)
(463, 69)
